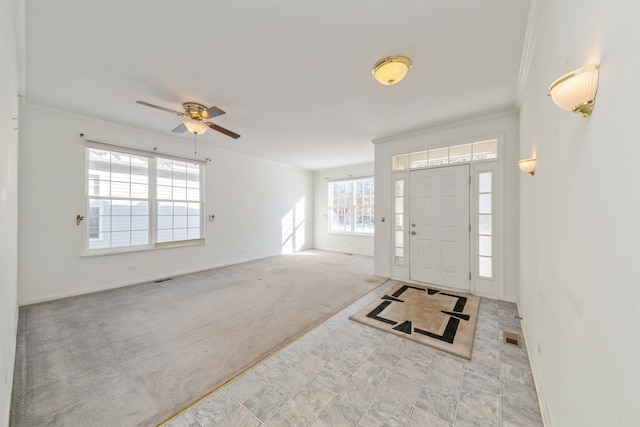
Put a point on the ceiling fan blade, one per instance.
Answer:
(181, 128)
(214, 112)
(222, 130)
(146, 104)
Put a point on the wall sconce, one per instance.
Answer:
(528, 166)
(576, 91)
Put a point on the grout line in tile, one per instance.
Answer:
(242, 405)
(195, 418)
(382, 386)
(424, 380)
(455, 413)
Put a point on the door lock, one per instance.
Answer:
(413, 225)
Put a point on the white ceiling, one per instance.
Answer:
(292, 75)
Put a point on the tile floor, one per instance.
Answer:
(344, 373)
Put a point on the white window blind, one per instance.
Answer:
(179, 203)
(129, 190)
(118, 199)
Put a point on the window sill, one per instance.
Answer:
(352, 234)
(157, 246)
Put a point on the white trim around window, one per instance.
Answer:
(140, 200)
(351, 204)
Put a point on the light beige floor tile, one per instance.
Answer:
(184, 420)
(441, 405)
(405, 388)
(246, 386)
(341, 412)
(215, 408)
(473, 416)
(420, 418)
(333, 377)
(240, 417)
(314, 396)
(265, 403)
(291, 414)
(390, 409)
(344, 373)
(359, 392)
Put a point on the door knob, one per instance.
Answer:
(413, 233)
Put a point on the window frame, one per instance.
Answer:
(153, 200)
(353, 207)
(422, 159)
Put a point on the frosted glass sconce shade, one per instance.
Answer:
(528, 166)
(576, 91)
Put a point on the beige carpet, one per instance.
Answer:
(441, 319)
(138, 355)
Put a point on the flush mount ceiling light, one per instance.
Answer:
(576, 91)
(390, 70)
(528, 166)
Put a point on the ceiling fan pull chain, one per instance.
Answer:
(195, 151)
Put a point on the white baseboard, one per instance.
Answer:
(136, 281)
(542, 402)
(342, 251)
(511, 299)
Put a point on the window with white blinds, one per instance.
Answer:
(118, 200)
(137, 199)
(179, 202)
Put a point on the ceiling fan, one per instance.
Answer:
(196, 118)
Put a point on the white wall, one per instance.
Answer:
(502, 126)
(8, 205)
(250, 198)
(362, 245)
(580, 234)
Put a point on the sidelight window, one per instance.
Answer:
(485, 224)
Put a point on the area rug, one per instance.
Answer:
(441, 319)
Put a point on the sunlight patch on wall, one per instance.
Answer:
(293, 228)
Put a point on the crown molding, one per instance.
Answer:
(452, 124)
(18, 10)
(533, 23)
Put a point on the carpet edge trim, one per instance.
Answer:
(268, 355)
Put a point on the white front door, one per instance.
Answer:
(439, 226)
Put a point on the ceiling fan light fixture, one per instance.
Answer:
(195, 126)
(390, 70)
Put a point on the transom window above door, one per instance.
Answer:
(464, 153)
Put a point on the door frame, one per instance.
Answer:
(493, 287)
